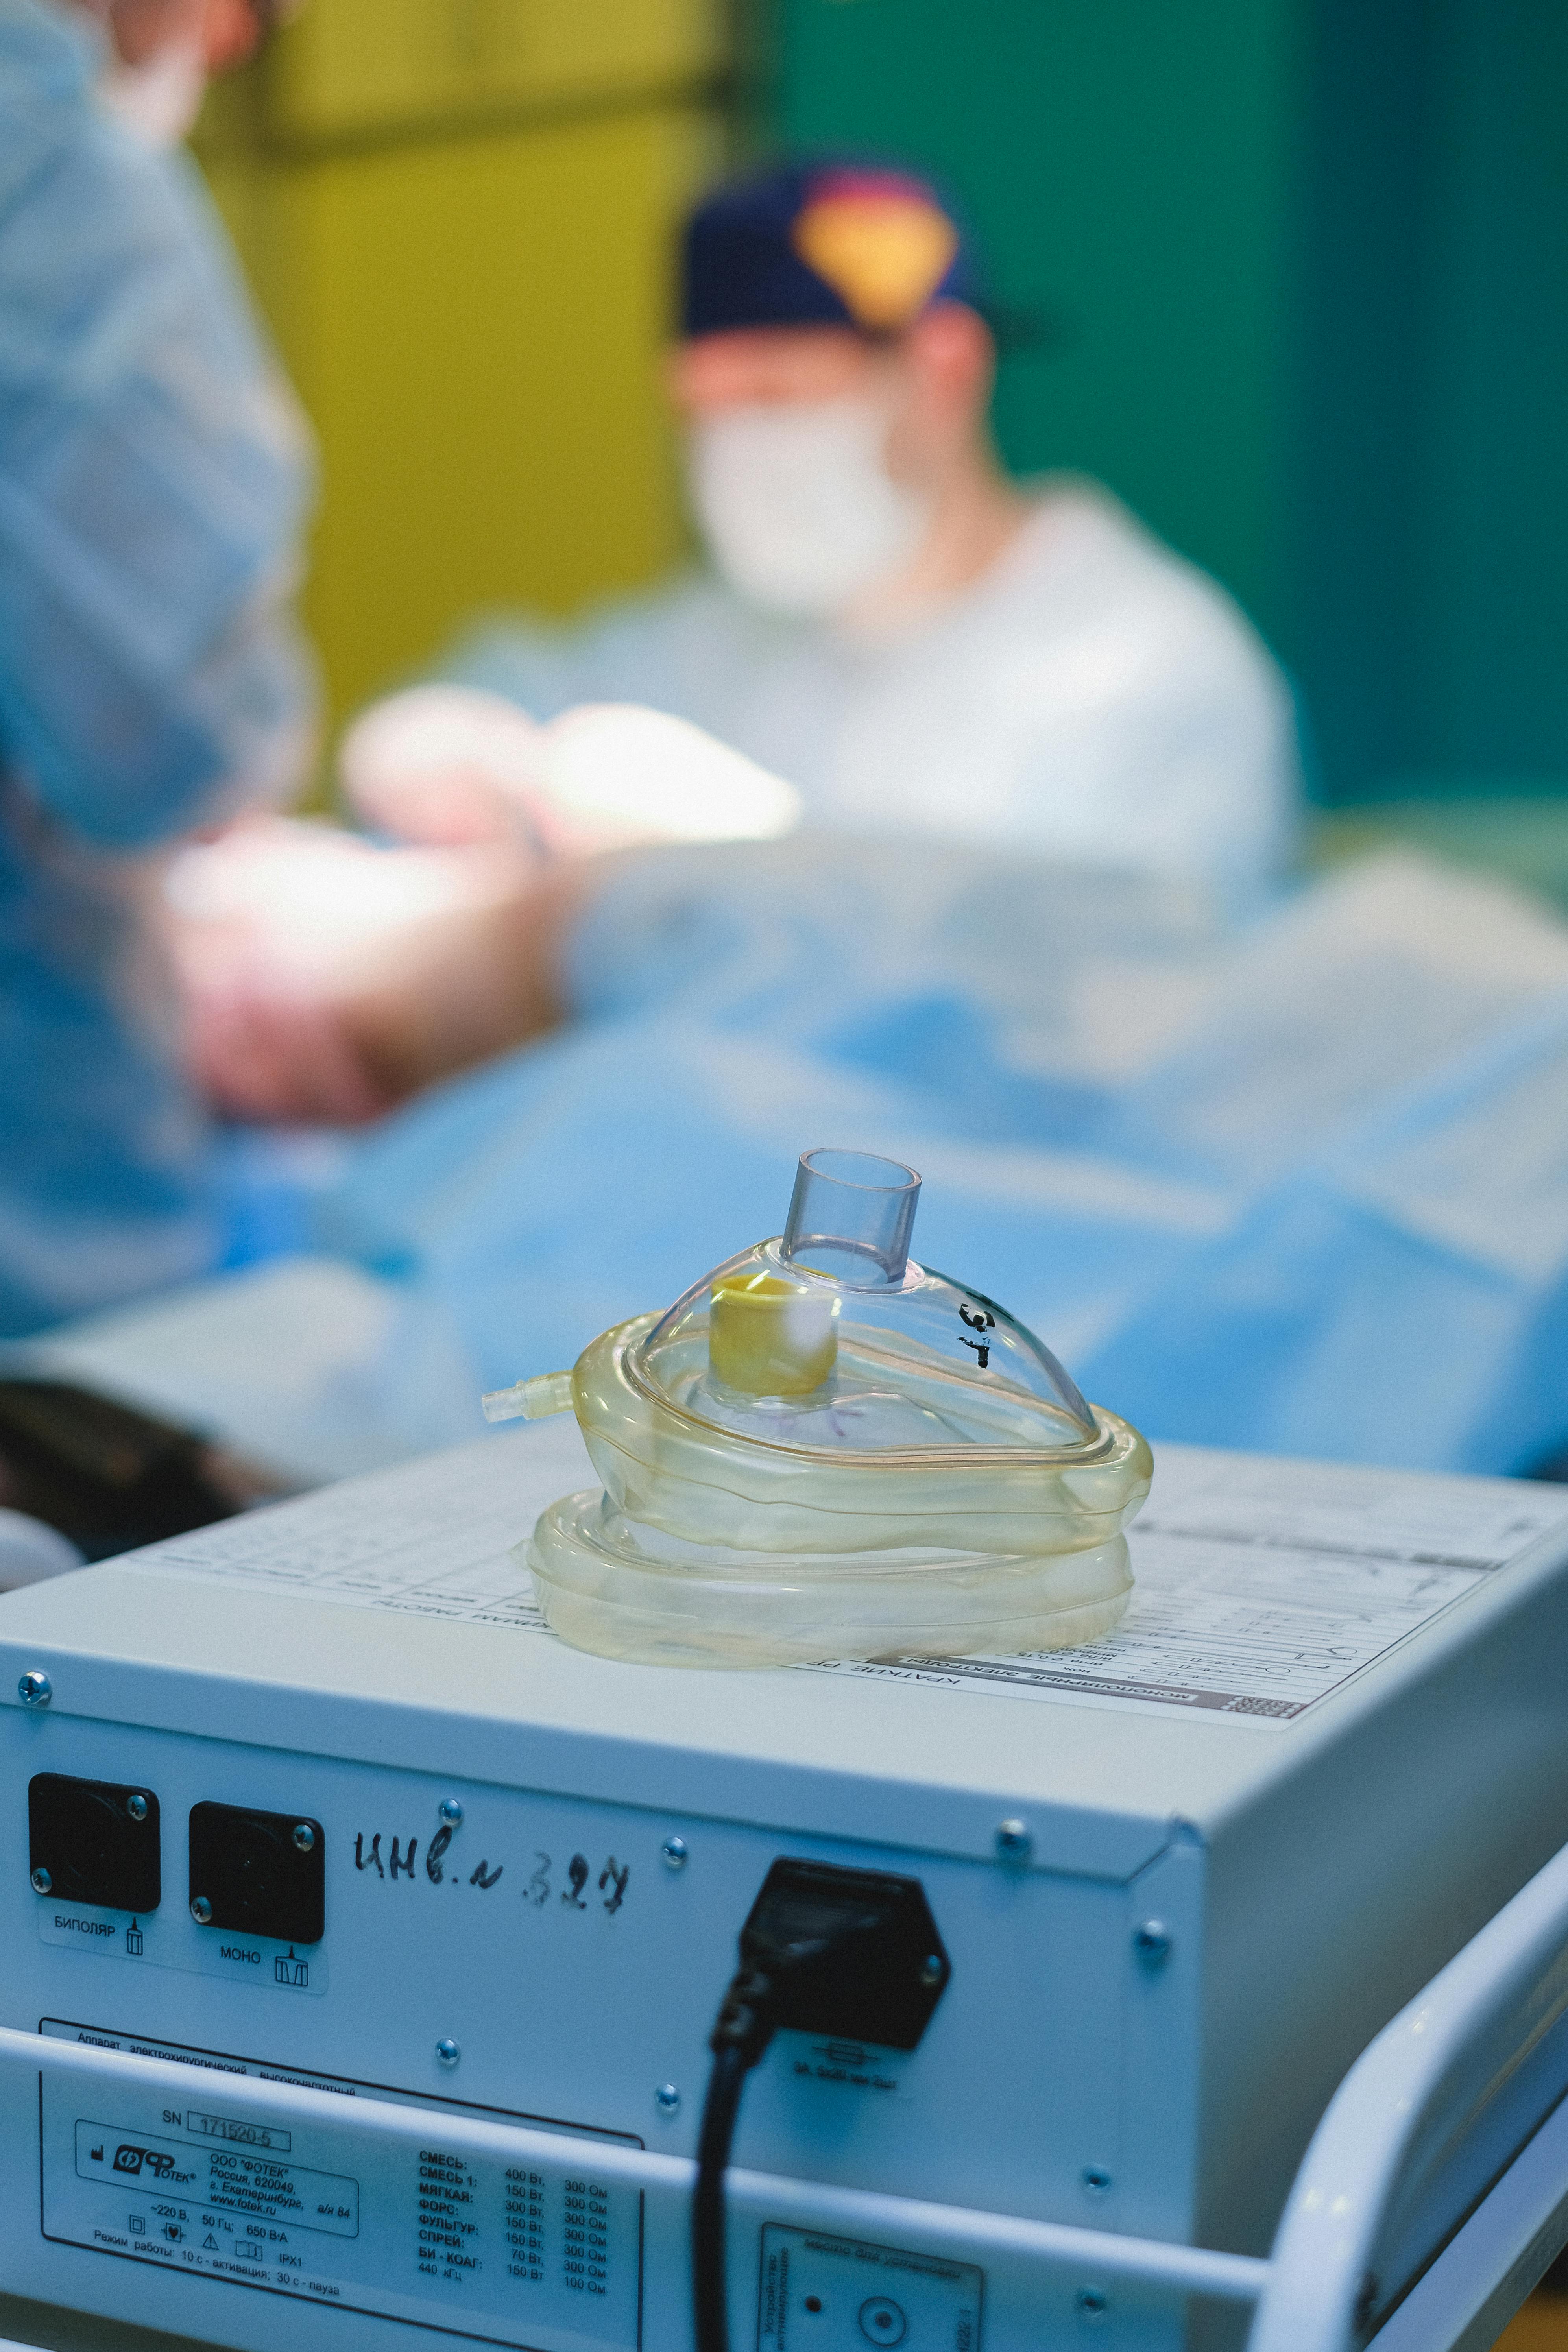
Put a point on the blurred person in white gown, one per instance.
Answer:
(917, 643)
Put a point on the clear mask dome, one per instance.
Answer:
(831, 1338)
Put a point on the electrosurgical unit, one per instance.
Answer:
(1060, 1954)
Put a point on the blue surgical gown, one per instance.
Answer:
(154, 479)
(1298, 1189)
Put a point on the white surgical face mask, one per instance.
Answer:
(160, 97)
(797, 505)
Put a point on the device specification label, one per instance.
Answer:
(1263, 1586)
(412, 1539)
(431, 2222)
(821, 2293)
(233, 2174)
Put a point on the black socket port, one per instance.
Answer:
(93, 1841)
(853, 1955)
(259, 1873)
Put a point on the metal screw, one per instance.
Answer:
(1092, 2303)
(1152, 1942)
(42, 1882)
(676, 1853)
(450, 1811)
(304, 1837)
(1015, 1840)
(1096, 2179)
(201, 1910)
(668, 2097)
(34, 1689)
(136, 1806)
(930, 1969)
(448, 2051)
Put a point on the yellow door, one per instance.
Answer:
(356, 64)
(473, 305)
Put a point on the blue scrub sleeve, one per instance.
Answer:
(154, 475)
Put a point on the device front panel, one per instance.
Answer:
(502, 1954)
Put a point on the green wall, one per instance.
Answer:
(1430, 482)
(1127, 164)
(1305, 265)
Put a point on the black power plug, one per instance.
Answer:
(851, 1954)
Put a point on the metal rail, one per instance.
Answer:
(666, 2181)
(1433, 2148)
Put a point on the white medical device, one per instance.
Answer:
(1143, 1903)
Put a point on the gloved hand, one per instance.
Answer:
(326, 980)
(452, 764)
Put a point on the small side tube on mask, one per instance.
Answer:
(533, 1400)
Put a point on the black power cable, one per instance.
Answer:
(841, 1952)
(741, 2032)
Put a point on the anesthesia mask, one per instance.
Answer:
(824, 1451)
